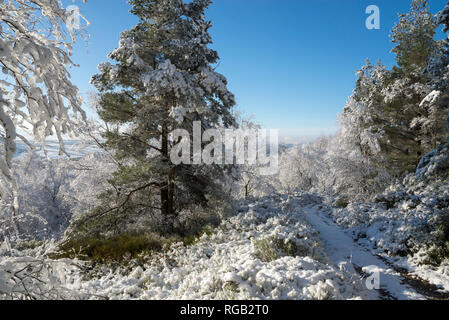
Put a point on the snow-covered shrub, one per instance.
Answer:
(273, 248)
(29, 275)
(410, 217)
(52, 191)
(264, 250)
(332, 167)
(435, 164)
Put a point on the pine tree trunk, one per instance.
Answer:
(171, 192)
(165, 206)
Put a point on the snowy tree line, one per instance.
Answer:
(385, 173)
(393, 119)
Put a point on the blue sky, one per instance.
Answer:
(290, 63)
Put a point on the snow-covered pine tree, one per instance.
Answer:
(396, 125)
(443, 18)
(405, 141)
(414, 37)
(163, 80)
(36, 95)
(416, 51)
(439, 98)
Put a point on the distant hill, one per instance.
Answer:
(75, 148)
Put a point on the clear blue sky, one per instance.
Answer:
(290, 63)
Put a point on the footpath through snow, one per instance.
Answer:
(345, 253)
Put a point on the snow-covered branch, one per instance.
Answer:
(36, 94)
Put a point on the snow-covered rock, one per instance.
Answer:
(435, 164)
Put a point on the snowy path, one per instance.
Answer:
(341, 249)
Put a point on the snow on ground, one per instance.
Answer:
(395, 233)
(309, 257)
(343, 251)
(438, 276)
(227, 264)
(275, 248)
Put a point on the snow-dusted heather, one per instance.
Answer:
(227, 264)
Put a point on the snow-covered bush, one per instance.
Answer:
(331, 166)
(410, 217)
(27, 274)
(435, 164)
(52, 191)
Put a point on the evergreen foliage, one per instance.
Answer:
(163, 79)
(399, 114)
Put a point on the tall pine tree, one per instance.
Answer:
(163, 80)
